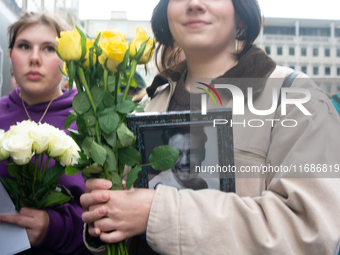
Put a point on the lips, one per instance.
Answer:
(34, 76)
(196, 23)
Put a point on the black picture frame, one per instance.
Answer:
(148, 126)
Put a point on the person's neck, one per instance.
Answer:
(208, 66)
(32, 100)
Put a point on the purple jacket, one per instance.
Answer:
(64, 234)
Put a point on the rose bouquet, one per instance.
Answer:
(32, 184)
(98, 67)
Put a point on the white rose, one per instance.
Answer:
(2, 134)
(3, 153)
(59, 145)
(42, 136)
(69, 157)
(19, 147)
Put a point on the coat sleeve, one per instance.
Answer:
(295, 215)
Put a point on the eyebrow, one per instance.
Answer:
(28, 42)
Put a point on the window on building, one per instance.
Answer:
(315, 70)
(279, 51)
(315, 31)
(291, 66)
(278, 30)
(337, 32)
(315, 52)
(327, 52)
(338, 52)
(304, 69)
(291, 51)
(267, 49)
(304, 51)
(327, 70)
(338, 71)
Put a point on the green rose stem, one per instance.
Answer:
(132, 74)
(24, 169)
(88, 93)
(106, 73)
(116, 86)
(79, 87)
(46, 164)
(108, 249)
(35, 174)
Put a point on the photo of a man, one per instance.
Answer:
(182, 175)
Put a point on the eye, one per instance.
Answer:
(49, 48)
(23, 46)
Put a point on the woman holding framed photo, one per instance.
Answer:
(275, 213)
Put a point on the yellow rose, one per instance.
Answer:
(140, 38)
(114, 46)
(89, 44)
(69, 45)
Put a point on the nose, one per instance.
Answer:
(195, 6)
(185, 159)
(35, 58)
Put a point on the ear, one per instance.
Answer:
(10, 54)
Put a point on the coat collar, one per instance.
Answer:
(253, 64)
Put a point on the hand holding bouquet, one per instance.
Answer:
(98, 67)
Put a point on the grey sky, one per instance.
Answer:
(142, 9)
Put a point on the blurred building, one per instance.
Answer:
(310, 46)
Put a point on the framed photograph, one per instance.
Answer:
(206, 155)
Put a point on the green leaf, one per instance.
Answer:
(125, 136)
(129, 156)
(132, 176)
(71, 73)
(163, 157)
(89, 120)
(108, 120)
(111, 139)
(86, 146)
(93, 169)
(111, 162)
(14, 170)
(98, 153)
(139, 109)
(69, 120)
(54, 199)
(82, 161)
(108, 99)
(125, 106)
(81, 104)
(57, 51)
(76, 136)
(11, 185)
(122, 66)
(53, 174)
(82, 43)
(97, 95)
(71, 170)
(116, 181)
(111, 84)
(42, 192)
(82, 127)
